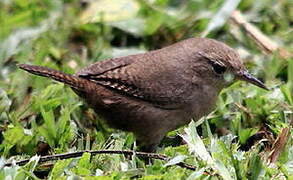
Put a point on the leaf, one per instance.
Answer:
(255, 166)
(49, 130)
(109, 11)
(196, 174)
(244, 134)
(197, 146)
(59, 168)
(285, 89)
(8, 173)
(221, 16)
(133, 26)
(21, 37)
(177, 159)
(84, 161)
(290, 76)
(5, 102)
(12, 136)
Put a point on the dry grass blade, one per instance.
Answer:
(279, 145)
(263, 41)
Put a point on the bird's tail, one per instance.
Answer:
(71, 80)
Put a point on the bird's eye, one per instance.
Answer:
(218, 68)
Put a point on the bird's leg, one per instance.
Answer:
(149, 143)
(172, 141)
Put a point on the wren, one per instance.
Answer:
(155, 92)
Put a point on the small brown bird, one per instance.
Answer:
(155, 92)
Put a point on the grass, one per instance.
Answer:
(38, 116)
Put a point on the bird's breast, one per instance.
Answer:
(203, 101)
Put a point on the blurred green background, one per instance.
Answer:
(38, 116)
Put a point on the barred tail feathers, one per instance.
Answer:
(71, 80)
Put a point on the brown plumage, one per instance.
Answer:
(152, 93)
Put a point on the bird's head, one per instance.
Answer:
(222, 64)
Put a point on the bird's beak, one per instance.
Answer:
(245, 76)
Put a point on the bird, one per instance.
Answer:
(152, 93)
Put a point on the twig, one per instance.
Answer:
(261, 39)
(95, 152)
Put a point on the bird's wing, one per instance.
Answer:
(138, 77)
(101, 67)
